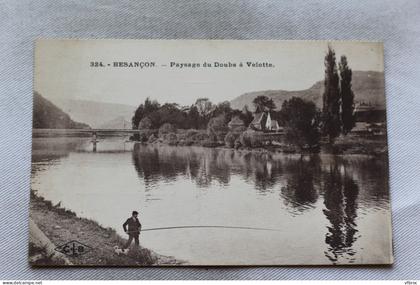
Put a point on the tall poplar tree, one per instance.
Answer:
(347, 96)
(331, 125)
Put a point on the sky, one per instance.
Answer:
(63, 68)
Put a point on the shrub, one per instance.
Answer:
(191, 132)
(143, 137)
(201, 137)
(239, 130)
(213, 136)
(245, 139)
(250, 139)
(145, 123)
(300, 119)
(237, 144)
(167, 128)
(209, 143)
(190, 137)
(171, 139)
(152, 138)
(230, 139)
(217, 127)
(255, 141)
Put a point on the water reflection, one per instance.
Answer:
(302, 183)
(340, 200)
(299, 180)
(320, 202)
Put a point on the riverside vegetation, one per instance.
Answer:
(304, 127)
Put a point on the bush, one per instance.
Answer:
(191, 133)
(166, 129)
(237, 144)
(145, 124)
(152, 138)
(230, 139)
(171, 139)
(250, 139)
(239, 130)
(245, 139)
(214, 137)
(300, 119)
(144, 135)
(201, 137)
(255, 141)
(190, 137)
(217, 128)
(209, 143)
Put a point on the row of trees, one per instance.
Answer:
(338, 98)
(303, 122)
(152, 115)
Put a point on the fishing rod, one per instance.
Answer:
(204, 227)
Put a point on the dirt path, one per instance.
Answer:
(61, 226)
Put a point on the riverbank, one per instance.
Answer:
(61, 226)
(257, 141)
(351, 144)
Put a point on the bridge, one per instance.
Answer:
(83, 131)
(264, 137)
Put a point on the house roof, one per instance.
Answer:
(258, 118)
(236, 121)
(274, 124)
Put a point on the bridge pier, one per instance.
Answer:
(94, 141)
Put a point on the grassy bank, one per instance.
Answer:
(61, 226)
(351, 144)
(258, 142)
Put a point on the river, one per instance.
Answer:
(319, 209)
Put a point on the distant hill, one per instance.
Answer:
(96, 114)
(117, 123)
(368, 87)
(48, 116)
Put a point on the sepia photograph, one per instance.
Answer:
(209, 153)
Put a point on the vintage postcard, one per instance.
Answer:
(209, 152)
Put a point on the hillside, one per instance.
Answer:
(48, 116)
(368, 87)
(117, 123)
(96, 114)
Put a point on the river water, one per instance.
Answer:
(320, 209)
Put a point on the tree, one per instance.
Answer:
(204, 106)
(347, 97)
(222, 108)
(300, 121)
(331, 123)
(246, 115)
(230, 139)
(217, 127)
(145, 124)
(142, 111)
(193, 118)
(170, 113)
(263, 103)
(167, 128)
(150, 106)
(138, 115)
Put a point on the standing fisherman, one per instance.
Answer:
(133, 230)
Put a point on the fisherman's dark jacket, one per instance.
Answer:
(134, 226)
